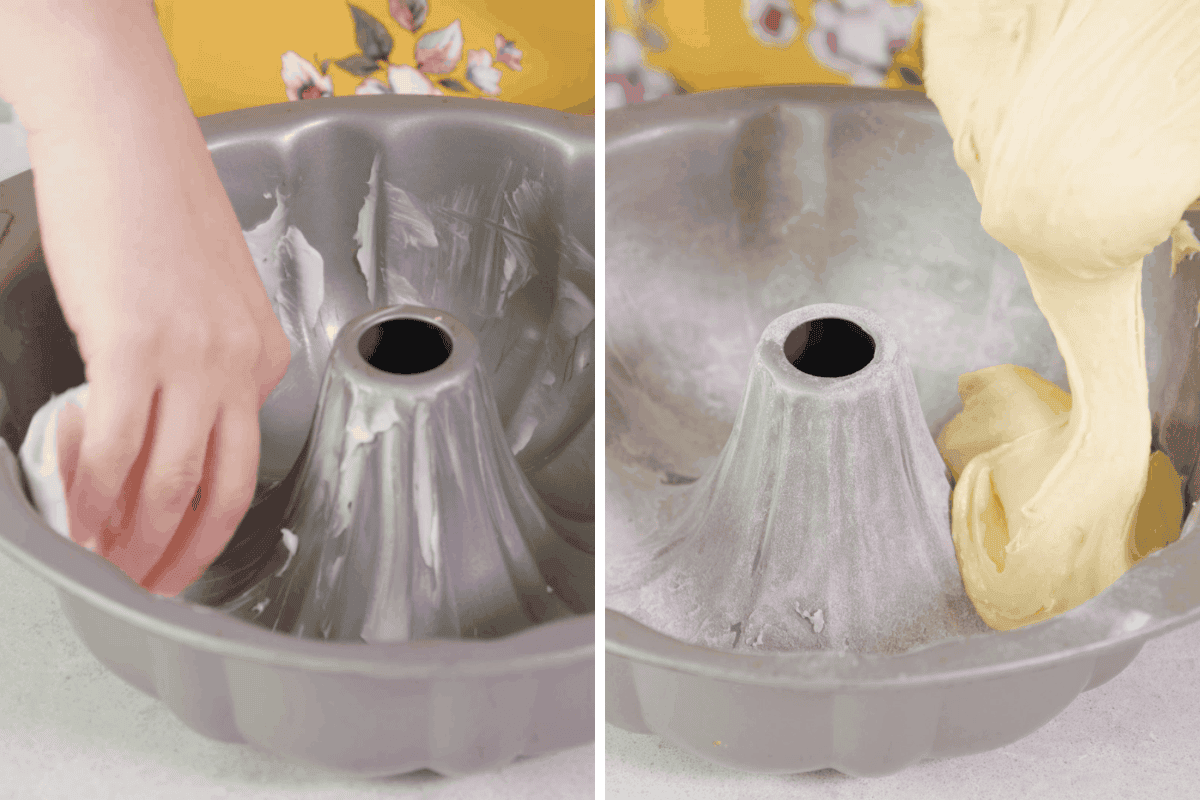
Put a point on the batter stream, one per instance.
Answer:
(1078, 123)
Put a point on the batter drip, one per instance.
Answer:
(1078, 123)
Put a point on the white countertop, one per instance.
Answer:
(1134, 737)
(69, 728)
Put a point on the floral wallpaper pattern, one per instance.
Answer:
(857, 38)
(437, 65)
(860, 37)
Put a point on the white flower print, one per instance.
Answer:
(481, 72)
(409, 13)
(773, 22)
(624, 53)
(404, 79)
(628, 78)
(656, 84)
(372, 86)
(439, 52)
(507, 53)
(302, 80)
(860, 37)
(614, 95)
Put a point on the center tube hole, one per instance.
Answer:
(829, 348)
(405, 346)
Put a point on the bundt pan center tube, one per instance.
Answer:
(412, 587)
(406, 515)
(730, 562)
(823, 524)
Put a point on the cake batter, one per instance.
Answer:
(1078, 123)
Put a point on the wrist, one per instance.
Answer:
(109, 63)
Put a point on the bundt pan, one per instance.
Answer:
(733, 217)
(431, 261)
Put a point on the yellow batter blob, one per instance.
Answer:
(1160, 514)
(1183, 243)
(1003, 403)
(999, 404)
(1076, 121)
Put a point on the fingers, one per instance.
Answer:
(226, 491)
(114, 432)
(274, 359)
(269, 373)
(148, 502)
(68, 437)
(162, 492)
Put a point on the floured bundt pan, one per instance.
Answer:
(730, 216)
(413, 585)
(823, 523)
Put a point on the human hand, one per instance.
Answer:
(179, 340)
(181, 348)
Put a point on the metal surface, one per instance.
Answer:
(405, 516)
(484, 210)
(823, 525)
(727, 209)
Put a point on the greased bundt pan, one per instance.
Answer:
(735, 221)
(413, 586)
